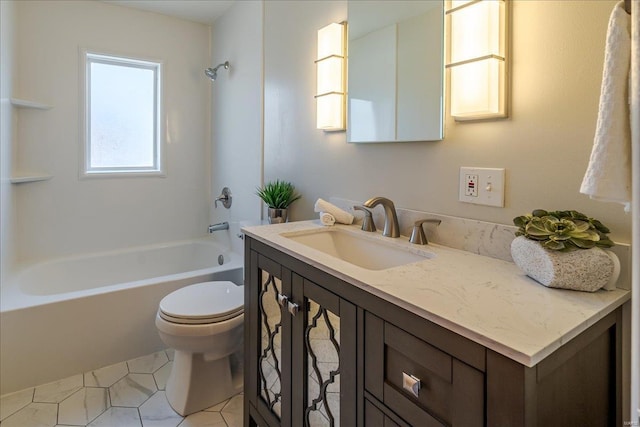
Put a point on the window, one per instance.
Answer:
(122, 116)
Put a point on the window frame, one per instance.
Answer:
(158, 169)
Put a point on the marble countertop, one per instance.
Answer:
(486, 300)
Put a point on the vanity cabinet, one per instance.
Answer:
(300, 347)
(320, 351)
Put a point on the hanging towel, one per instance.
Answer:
(608, 176)
(340, 215)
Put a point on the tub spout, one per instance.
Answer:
(219, 226)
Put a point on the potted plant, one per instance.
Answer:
(277, 195)
(564, 249)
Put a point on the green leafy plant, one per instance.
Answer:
(563, 230)
(278, 194)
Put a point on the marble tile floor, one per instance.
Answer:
(127, 394)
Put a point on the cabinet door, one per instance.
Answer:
(268, 382)
(323, 357)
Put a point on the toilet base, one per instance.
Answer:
(196, 383)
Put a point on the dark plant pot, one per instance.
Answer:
(276, 216)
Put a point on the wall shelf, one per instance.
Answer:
(23, 103)
(23, 179)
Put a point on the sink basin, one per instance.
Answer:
(359, 250)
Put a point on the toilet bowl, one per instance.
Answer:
(203, 323)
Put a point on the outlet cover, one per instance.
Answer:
(471, 185)
(482, 186)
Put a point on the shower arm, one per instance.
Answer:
(224, 64)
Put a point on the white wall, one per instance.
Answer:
(67, 215)
(558, 51)
(7, 198)
(237, 111)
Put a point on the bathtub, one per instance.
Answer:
(71, 315)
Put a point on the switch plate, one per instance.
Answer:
(482, 186)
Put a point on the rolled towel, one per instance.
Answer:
(340, 215)
(327, 219)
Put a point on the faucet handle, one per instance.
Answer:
(225, 198)
(417, 234)
(367, 222)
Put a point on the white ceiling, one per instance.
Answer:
(204, 11)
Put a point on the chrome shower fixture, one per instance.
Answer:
(212, 73)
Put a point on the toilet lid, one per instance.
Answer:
(207, 302)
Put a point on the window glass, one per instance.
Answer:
(122, 115)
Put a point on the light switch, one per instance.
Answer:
(482, 186)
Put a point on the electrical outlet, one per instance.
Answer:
(482, 186)
(471, 185)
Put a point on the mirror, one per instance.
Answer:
(395, 71)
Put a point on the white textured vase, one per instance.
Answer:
(581, 270)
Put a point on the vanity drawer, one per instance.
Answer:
(419, 382)
(374, 417)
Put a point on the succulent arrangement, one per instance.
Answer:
(563, 230)
(278, 194)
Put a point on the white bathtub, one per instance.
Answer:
(75, 314)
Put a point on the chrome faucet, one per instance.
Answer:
(219, 226)
(391, 227)
(417, 234)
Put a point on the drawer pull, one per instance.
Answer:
(282, 300)
(411, 384)
(293, 308)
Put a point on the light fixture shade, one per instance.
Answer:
(476, 31)
(330, 75)
(477, 59)
(331, 41)
(330, 115)
(330, 78)
(477, 89)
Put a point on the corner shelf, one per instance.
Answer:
(23, 179)
(23, 103)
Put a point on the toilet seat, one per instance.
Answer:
(203, 303)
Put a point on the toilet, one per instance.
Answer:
(203, 323)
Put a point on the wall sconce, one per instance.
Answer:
(477, 61)
(330, 98)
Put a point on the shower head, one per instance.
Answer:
(212, 73)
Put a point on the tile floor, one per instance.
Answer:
(126, 394)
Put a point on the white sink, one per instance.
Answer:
(358, 249)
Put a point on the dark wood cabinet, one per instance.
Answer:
(300, 348)
(320, 351)
(419, 382)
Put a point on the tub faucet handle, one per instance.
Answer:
(417, 234)
(225, 198)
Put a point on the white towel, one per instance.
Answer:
(608, 176)
(340, 215)
(327, 219)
